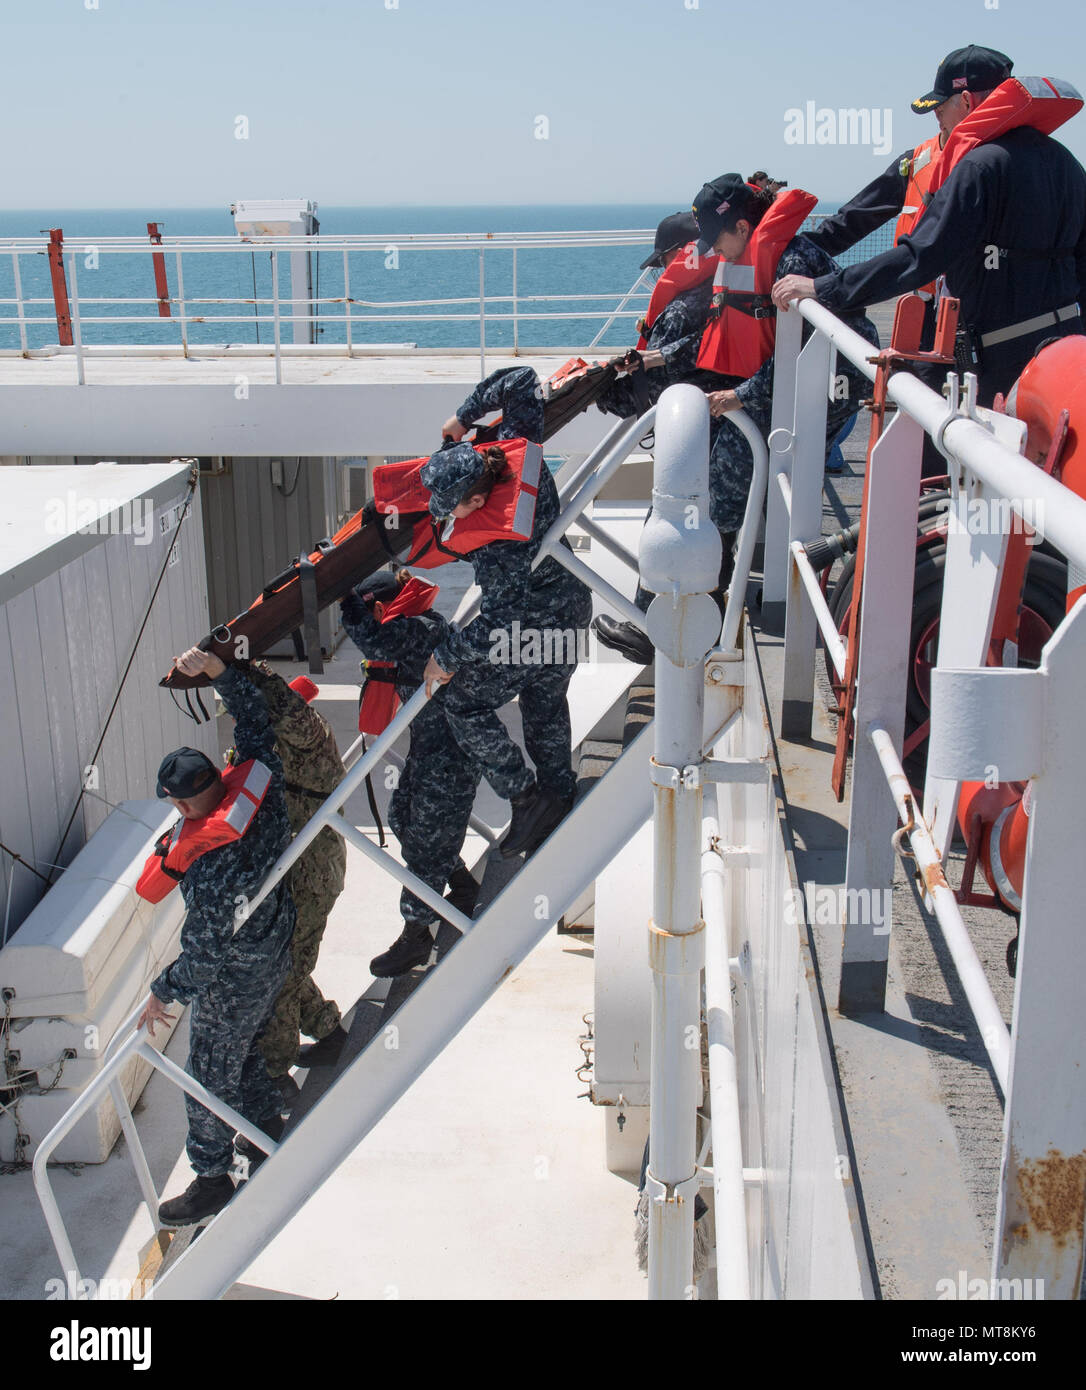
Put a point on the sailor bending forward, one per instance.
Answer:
(232, 963)
(485, 664)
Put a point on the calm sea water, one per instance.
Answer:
(418, 275)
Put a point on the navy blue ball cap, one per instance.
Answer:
(185, 772)
(450, 475)
(721, 204)
(382, 585)
(672, 233)
(970, 69)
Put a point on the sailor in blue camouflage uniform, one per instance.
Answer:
(668, 358)
(731, 464)
(671, 344)
(435, 792)
(230, 974)
(549, 602)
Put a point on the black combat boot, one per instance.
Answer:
(412, 947)
(273, 1127)
(535, 815)
(199, 1202)
(463, 890)
(630, 641)
(325, 1051)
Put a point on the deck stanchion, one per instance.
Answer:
(804, 521)
(885, 623)
(783, 419)
(60, 288)
(158, 260)
(20, 306)
(680, 562)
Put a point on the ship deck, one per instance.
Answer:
(488, 1179)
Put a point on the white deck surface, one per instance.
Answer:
(156, 369)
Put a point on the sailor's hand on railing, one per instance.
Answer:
(453, 429)
(154, 1011)
(195, 662)
(792, 287)
(720, 402)
(435, 675)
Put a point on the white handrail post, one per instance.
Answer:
(775, 562)
(893, 485)
(77, 328)
(347, 296)
(1031, 722)
(277, 321)
(804, 524)
(181, 305)
(516, 336)
(680, 562)
(20, 307)
(482, 315)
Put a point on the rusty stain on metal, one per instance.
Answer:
(1053, 1188)
(935, 878)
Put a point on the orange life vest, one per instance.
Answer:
(918, 172)
(1040, 102)
(378, 703)
(508, 515)
(685, 271)
(179, 847)
(741, 336)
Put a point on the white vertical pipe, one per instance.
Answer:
(730, 1207)
(681, 564)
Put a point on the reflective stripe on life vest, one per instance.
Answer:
(735, 343)
(177, 850)
(919, 172)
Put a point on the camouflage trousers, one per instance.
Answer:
(226, 1022)
(300, 1006)
(431, 805)
(731, 463)
(476, 693)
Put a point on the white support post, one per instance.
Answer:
(1030, 722)
(805, 523)
(680, 559)
(885, 621)
(775, 564)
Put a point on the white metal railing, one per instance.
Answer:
(342, 315)
(575, 494)
(1021, 723)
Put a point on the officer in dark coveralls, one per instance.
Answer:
(232, 964)
(964, 79)
(548, 600)
(433, 798)
(1007, 229)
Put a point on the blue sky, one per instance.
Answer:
(389, 102)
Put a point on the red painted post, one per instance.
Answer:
(60, 285)
(159, 259)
